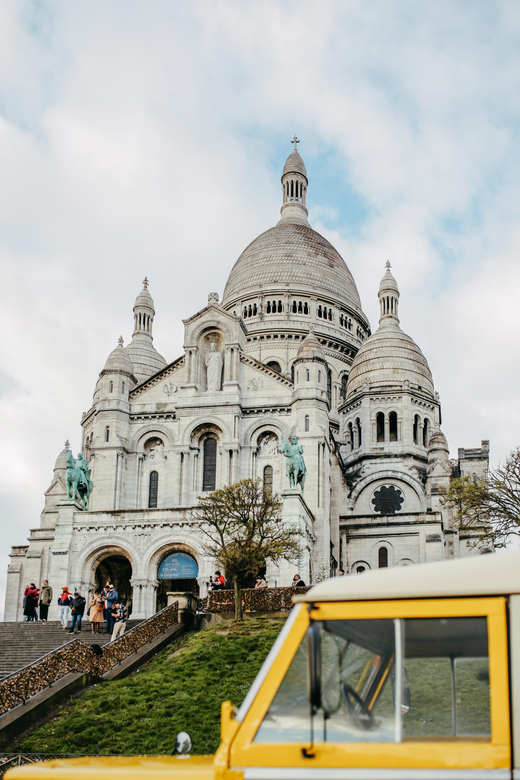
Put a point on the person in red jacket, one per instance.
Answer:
(219, 581)
(31, 602)
(64, 603)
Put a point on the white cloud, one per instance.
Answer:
(148, 138)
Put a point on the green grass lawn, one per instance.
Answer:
(180, 690)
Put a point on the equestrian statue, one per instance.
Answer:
(295, 467)
(77, 478)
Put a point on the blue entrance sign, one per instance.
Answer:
(178, 566)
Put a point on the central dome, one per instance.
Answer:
(292, 254)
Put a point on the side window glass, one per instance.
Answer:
(447, 669)
(472, 697)
(387, 680)
(287, 719)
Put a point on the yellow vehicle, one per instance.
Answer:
(399, 673)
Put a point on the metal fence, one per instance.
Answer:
(253, 600)
(77, 656)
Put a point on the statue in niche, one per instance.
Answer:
(268, 446)
(154, 448)
(295, 467)
(214, 368)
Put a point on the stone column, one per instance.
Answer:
(140, 460)
(228, 356)
(148, 598)
(118, 479)
(180, 472)
(236, 456)
(139, 591)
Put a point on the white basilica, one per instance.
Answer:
(287, 352)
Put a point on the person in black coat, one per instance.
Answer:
(78, 610)
(31, 602)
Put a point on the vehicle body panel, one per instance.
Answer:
(119, 768)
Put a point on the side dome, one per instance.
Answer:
(145, 358)
(292, 254)
(119, 361)
(389, 356)
(60, 466)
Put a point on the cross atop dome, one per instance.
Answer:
(295, 141)
(145, 282)
(120, 341)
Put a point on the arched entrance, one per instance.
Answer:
(118, 570)
(177, 573)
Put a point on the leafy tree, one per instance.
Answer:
(244, 529)
(489, 505)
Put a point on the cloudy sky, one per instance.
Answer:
(148, 138)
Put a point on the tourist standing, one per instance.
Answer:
(95, 614)
(45, 600)
(260, 583)
(31, 602)
(120, 615)
(64, 603)
(297, 582)
(78, 610)
(112, 597)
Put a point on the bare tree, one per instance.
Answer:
(244, 529)
(490, 506)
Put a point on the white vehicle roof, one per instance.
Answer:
(477, 575)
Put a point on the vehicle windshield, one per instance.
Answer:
(385, 681)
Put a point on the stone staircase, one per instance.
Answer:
(23, 643)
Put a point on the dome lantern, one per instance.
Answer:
(294, 188)
(144, 311)
(388, 298)
(146, 359)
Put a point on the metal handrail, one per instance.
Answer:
(19, 686)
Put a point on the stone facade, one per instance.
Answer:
(295, 357)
